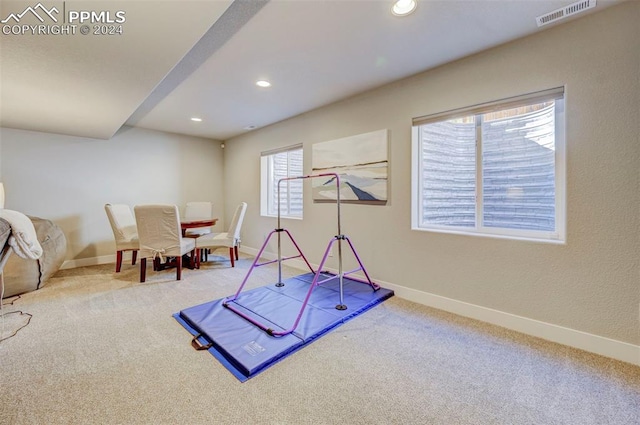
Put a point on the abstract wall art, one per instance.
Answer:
(362, 163)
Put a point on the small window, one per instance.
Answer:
(276, 165)
(496, 169)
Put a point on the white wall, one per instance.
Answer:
(589, 286)
(69, 179)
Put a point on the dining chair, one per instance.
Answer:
(161, 237)
(229, 239)
(198, 210)
(125, 232)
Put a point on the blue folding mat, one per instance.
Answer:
(245, 349)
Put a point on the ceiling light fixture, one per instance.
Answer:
(196, 119)
(263, 83)
(404, 7)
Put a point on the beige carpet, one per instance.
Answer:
(102, 348)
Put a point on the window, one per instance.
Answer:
(496, 169)
(276, 165)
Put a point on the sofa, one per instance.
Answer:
(5, 232)
(25, 275)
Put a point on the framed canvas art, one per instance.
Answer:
(360, 161)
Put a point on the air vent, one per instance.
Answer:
(565, 12)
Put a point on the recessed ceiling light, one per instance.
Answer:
(263, 83)
(196, 119)
(250, 127)
(404, 7)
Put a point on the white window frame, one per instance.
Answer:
(559, 235)
(266, 182)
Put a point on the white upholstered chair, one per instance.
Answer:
(161, 237)
(229, 239)
(195, 210)
(123, 224)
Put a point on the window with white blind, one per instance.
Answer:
(496, 169)
(275, 165)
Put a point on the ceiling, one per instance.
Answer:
(181, 59)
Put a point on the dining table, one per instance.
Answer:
(195, 222)
(187, 223)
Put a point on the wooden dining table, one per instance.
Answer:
(195, 222)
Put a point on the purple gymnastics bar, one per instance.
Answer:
(339, 237)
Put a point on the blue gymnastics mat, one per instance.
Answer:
(246, 350)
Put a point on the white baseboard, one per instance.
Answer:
(92, 261)
(593, 343)
(573, 338)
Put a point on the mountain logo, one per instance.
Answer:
(38, 11)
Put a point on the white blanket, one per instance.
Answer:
(23, 239)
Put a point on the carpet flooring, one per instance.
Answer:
(102, 348)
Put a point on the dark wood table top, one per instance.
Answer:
(191, 223)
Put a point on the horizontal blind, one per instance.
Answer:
(518, 171)
(511, 102)
(285, 163)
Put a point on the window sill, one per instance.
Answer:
(493, 235)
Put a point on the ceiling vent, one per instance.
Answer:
(565, 12)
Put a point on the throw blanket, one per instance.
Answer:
(23, 239)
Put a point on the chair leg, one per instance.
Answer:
(179, 267)
(118, 261)
(143, 269)
(198, 253)
(134, 256)
(235, 250)
(231, 256)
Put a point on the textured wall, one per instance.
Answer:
(591, 283)
(69, 179)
